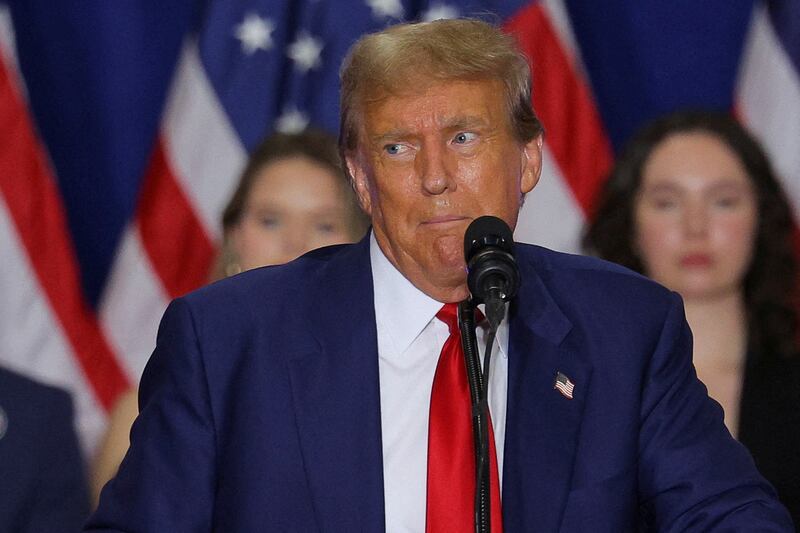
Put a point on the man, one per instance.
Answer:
(297, 398)
(42, 480)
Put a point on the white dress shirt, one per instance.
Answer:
(410, 338)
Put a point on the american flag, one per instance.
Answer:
(124, 125)
(564, 385)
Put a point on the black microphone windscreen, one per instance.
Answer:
(487, 230)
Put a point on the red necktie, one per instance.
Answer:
(451, 456)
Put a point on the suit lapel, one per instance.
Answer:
(542, 423)
(337, 401)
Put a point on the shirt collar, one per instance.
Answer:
(402, 311)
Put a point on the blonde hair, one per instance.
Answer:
(394, 59)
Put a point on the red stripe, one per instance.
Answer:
(565, 105)
(176, 243)
(29, 189)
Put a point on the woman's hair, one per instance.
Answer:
(314, 144)
(406, 55)
(771, 279)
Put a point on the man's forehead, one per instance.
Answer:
(459, 103)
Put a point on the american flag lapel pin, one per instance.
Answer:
(564, 385)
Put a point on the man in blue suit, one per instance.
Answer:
(295, 398)
(42, 480)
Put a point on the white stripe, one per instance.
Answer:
(551, 216)
(32, 341)
(203, 148)
(132, 305)
(769, 101)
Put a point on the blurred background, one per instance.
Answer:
(124, 125)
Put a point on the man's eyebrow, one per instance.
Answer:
(465, 123)
(454, 123)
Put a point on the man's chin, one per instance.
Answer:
(449, 251)
(450, 269)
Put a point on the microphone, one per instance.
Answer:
(492, 273)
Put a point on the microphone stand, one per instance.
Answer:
(480, 413)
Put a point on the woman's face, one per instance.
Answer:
(294, 205)
(696, 216)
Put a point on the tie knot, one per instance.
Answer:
(449, 315)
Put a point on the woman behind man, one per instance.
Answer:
(292, 197)
(693, 203)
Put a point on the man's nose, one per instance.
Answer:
(437, 176)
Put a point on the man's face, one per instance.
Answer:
(429, 163)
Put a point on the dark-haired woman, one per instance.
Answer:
(693, 203)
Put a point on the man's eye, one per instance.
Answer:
(393, 149)
(464, 137)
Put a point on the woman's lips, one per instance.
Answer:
(696, 260)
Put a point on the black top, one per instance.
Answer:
(769, 424)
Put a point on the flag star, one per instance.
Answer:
(292, 120)
(305, 52)
(440, 11)
(255, 33)
(382, 9)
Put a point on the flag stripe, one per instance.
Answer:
(201, 144)
(132, 304)
(768, 98)
(563, 101)
(35, 207)
(178, 247)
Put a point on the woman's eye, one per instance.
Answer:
(663, 202)
(727, 201)
(268, 222)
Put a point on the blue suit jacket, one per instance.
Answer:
(42, 481)
(260, 410)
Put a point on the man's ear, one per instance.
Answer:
(532, 164)
(359, 175)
